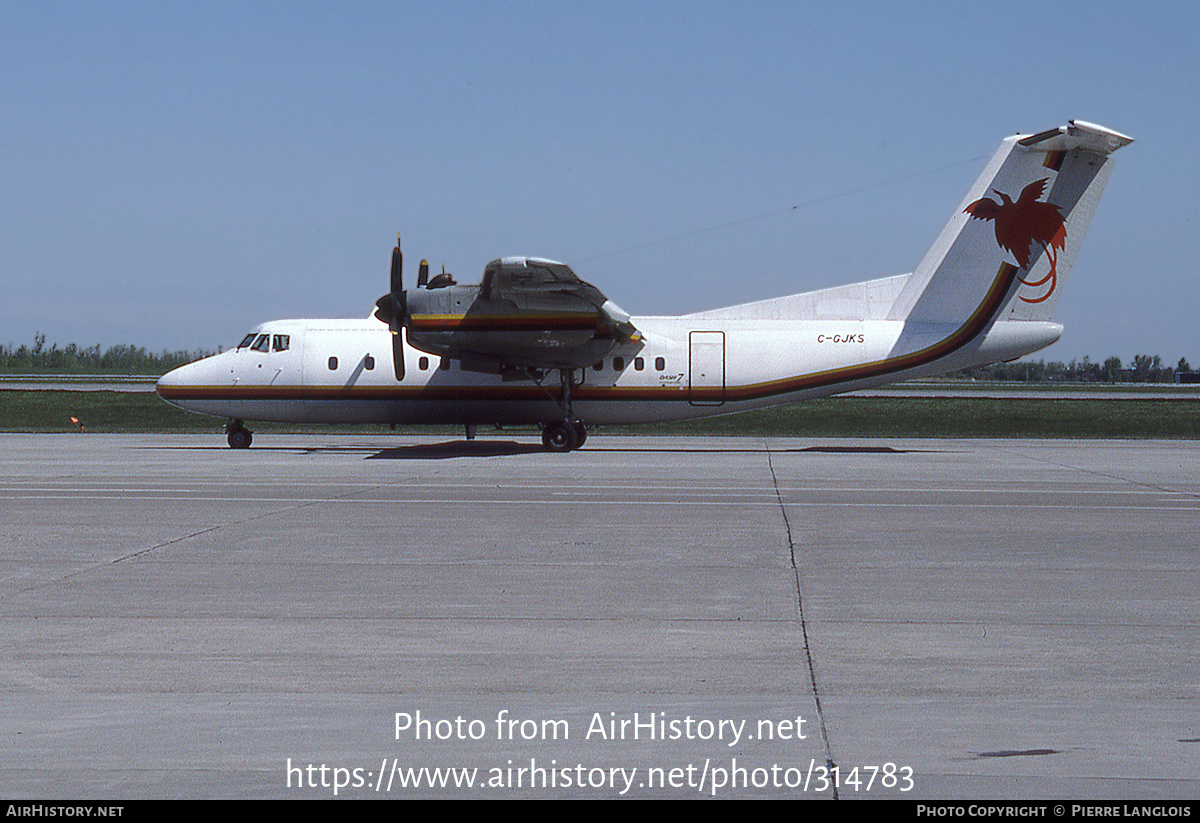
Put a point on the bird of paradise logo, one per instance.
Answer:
(1021, 224)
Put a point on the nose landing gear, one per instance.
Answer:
(238, 435)
(569, 433)
(563, 435)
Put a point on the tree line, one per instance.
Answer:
(136, 360)
(93, 360)
(1145, 368)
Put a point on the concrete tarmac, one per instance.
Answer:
(647, 617)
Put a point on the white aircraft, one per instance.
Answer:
(490, 353)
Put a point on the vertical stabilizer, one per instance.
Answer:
(1018, 230)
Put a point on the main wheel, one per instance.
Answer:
(560, 436)
(239, 438)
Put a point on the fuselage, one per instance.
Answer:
(341, 371)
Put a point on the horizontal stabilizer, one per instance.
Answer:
(871, 300)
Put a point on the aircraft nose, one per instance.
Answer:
(174, 378)
(167, 381)
(172, 386)
(167, 385)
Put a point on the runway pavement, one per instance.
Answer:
(647, 617)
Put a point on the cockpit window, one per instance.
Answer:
(247, 340)
(282, 341)
(263, 343)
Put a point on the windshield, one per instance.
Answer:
(266, 342)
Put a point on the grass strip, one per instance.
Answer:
(109, 411)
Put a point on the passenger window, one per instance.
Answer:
(282, 341)
(599, 366)
(423, 363)
(445, 364)
(263, 343)
(660, 363)
(333, 364)
(368, 362)
(618, 364)
(639, 363)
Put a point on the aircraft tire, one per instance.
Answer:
(580, 433)
(560, 436)
(239, 438)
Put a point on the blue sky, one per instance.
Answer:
(173, 173)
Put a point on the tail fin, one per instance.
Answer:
(1008, 247)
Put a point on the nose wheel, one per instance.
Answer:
(563, 435)
(569, 433)
(238, 435)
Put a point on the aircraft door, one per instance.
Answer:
(706, 368)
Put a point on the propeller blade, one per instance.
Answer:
(384, 310)
(397, 269)
(393, 306)
(398, 355)
(423, 275)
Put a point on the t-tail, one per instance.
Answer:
(1009, 245)
(985, 290)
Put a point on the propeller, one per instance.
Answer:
(392, 309)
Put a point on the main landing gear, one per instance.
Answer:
(238, 435)
(569, 433)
